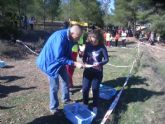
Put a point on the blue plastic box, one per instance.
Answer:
(78, 113)
(106, 92)
(2, 64)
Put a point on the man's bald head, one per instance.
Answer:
(75, 32)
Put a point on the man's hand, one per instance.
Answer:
(78, 65)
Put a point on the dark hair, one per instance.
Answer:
(96, 33)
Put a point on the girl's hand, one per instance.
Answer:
(96, 64)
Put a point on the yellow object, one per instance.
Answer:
(75, 48)
(79, 23)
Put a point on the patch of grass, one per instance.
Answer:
(139, 101)
(132, 115)
(25, 107)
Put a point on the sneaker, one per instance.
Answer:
(91, 91)
(53, 111)
(95, 110)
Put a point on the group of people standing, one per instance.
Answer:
(58, 59)
(25, 22)
(150, 36)
(109, 37)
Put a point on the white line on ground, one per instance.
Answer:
(114, 103)
(18, 41)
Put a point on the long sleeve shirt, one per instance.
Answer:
(56, 53)
(96, 54)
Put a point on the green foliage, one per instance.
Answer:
(130, 12)
(82, 10)
(158, 24)
(31, 8)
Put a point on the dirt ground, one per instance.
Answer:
(24, 91)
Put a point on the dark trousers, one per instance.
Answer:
(124, 43)
(31, 26)
(91, 78)
(116, 42)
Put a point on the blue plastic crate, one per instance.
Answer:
(106, 92)
(78, 113)
(2, 64)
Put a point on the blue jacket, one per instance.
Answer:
(56, 53)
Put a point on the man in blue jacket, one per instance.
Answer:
(52, 60)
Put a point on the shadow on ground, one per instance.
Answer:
(129, 95)
(7, 79)
(5, 90)
(75, 89)
(3, 107)
(51, 119)
(8, 67)
(134, 80)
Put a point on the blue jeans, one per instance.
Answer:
(91, 78)
(54, 87)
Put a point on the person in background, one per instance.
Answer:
(117, 36)
(104, 36)
(31, 22)
(111, 39)
(52, 60)
(123, 38)
(82, 43)
(75, 52)
(25, 22)
(152, 38)
(108, 39)
(95, 54)
(158, 38)
(70, 69)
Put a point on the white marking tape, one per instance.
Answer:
(18, 41)
(124, 47)
(125, 66)
(114, 103)
(152, 46)
(119, 66)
